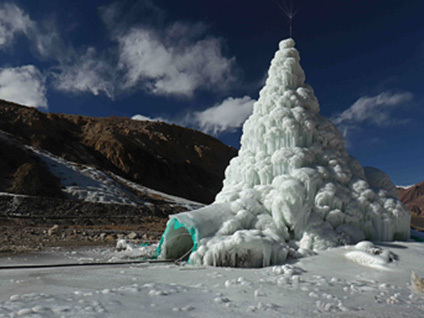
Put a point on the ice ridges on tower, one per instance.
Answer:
(292, 189)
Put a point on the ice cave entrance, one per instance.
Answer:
(184, 231)
(180, 240)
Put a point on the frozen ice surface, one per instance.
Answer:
(292, 181)
(305, 288)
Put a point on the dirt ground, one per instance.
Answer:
(15, 238)
(34, 223)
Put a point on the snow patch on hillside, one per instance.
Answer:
(405, 187)
(173, 200)
(85, 183)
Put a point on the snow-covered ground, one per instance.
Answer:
(339, 282)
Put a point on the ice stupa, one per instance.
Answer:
(292, 189)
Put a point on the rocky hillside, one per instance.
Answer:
(164, 157)
(24, 173)
(413, 198)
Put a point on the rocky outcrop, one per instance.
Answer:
(23, 173)
(34, 179)
(164, 157)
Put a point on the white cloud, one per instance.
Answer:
(144, 118)
(375, 110)
(175, 62)
(76, 71)
(12, 21)
(23, 85)
(43, 35)
(221, 118)
(85, 73)
(47, 41)
(227, 116)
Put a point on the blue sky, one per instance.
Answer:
(202, 63)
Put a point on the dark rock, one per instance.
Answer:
(33, 178)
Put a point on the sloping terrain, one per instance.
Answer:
(164, 157)
(413, 198)
(75, 180)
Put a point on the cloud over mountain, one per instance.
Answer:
(24, 85)
(227, 116)
(86, 73)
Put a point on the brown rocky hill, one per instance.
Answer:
(413, 198)
(161, 156)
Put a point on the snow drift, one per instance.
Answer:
(292, 189)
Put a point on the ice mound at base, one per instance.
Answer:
(292, 189)
(366, 254)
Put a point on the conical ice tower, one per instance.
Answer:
(292, 189)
